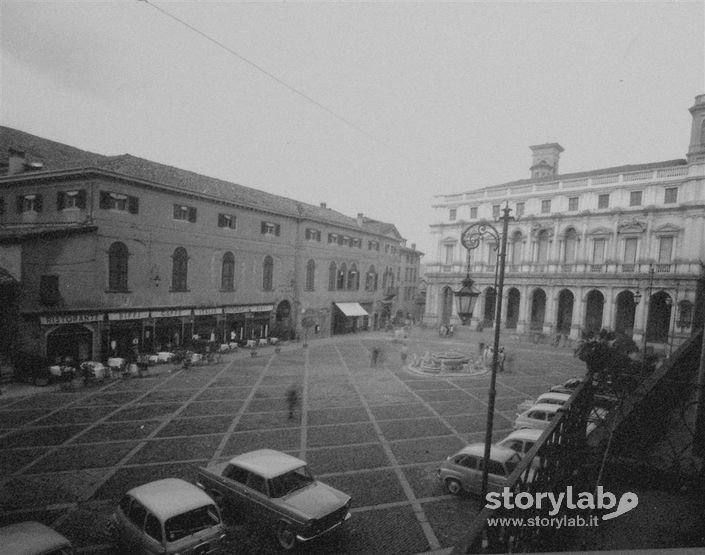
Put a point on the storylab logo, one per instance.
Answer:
(601, 500)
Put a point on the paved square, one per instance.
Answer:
(375, 433)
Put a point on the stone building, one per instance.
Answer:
(112, 254)
(619, 248)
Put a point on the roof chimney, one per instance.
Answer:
(16, 161)
(323, 205)
(359, 218)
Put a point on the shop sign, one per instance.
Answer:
(206, 311)
(171, 313)
(136, 315)
(250, 308)
(57, 319)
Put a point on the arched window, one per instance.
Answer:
(371, 279)
(332, 276)
(542, 247)
(310, 275)
(117, 267)
(340, 283)
(268, 273)
(516, 248)
(571, 243)
(685, 314)
(227, 276)
(179, 271)
(353, 278)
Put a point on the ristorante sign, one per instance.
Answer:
(58, 319)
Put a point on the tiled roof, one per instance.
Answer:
(58, 156)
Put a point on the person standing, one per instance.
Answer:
(375, 356)
(292, 400)
(404, 353)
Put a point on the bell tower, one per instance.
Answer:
(545, 159)
(696, 150)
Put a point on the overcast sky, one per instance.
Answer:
(369, 107)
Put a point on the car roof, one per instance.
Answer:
(267, 463)
(497, 453)
(30, 538)
(170, 496)
(546, 407)
(524, 433)
(554, 395)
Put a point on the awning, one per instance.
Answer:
(352, 309)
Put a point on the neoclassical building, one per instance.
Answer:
(620, 248)
(102, 254)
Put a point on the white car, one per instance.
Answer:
(32, 538)
(537, 417)
(549, 398)
(521, 440)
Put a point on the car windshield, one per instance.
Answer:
(291, 481)
(188, 523)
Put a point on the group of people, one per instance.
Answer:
(446, 331)
(488, 357)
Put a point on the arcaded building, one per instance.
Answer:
(621, 248)
(105, 254)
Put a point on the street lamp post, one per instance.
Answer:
(470, 239)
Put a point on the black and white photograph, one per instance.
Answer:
(352, 277)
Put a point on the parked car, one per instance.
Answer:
(462, 472)
(169, 516)
(277, 489)
(538, 416)
(567, 386)
(549, 398)
(521, 440)
(33, 538)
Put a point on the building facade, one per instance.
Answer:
(619, 248)
(104, 255)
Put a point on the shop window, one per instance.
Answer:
(29, 203)
(268, 273)
(118, 201)
(184, 213)
(179, 271)
(65, 200)
(227, 277)
(332, 273)
(310, 275)
(49, 290)
(117, 267)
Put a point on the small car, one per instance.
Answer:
(462, 472)
(567, 386)
(275, 488)
(169, 516)
(521, 440)
(538, 416)
(32, 538)
(549, 398)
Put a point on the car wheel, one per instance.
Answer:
(453, 486)
(286, 536)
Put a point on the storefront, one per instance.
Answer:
(71, 337)
(248, 322)
(348, 318)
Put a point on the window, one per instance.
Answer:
(603, 201)
(573, 204)
(118, 201)
(310, 275)
(227, 275)
(66, 200)
(665, 250)
(635, 198)
(179, 270)
(516, 245)
(269, 228)
(313, 235)
(545, 207)
(137, 514)
(685, 314)
(257, 483)
(630, 245)
(542, 247)
(473, 212)
(332, 275)
(184, 213)
(520, 209)
(153, 528)
(236, 474)
(453, 214)
(344, 241)
(2, 206)
(357, 243)
(340, 282)
(268, 273)
(495, 210)
(598, 251)
(29, 203)
(371, 279)
(117, 267)
(449, 253)
(227, 220)
(571, 243)
(670, 195)
(353, 278)
(49, 290)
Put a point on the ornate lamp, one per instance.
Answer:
(466, 297)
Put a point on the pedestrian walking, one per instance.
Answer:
(500, 359)
(292, 400)
(375, 356)
(404, 353)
